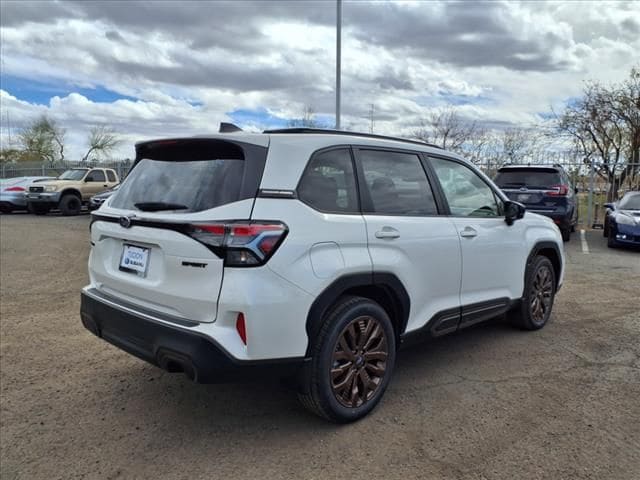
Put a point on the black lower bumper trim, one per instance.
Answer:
(176, 349)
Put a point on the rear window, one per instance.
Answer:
(111, 176)
(184, 176)
(528, 177)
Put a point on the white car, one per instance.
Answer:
(309, 254)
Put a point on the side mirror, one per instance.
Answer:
(88, 179)
(609, 205)
(513, 211)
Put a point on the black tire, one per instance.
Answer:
(6, 209)
(566, 234)
(611, 238)
(539, 292)
(319, 390)
(70, 205)
(38, 209)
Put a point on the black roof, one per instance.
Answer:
(343, 132)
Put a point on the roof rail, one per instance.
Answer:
(344, 132)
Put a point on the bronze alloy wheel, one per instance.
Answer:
(359, 361)
(541, 294)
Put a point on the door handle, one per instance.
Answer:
(387, 232)
(105, 185)
(468, 232)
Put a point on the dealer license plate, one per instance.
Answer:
(134, 259)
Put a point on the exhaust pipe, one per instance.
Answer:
(174, 362)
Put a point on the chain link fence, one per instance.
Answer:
(595, 186)
(40, 169)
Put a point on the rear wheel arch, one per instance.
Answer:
(381, 287)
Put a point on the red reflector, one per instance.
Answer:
(14, 189)
(267, 244)
(558, 221)
(241, 328)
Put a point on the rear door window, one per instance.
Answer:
(111, 175)
(96, 176)
(397, 183)
(184, 178)
(528, 177)
(328, 183)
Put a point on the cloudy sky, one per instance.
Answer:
(153, 69)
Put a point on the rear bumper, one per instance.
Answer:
(175, 349)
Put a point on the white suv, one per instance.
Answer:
(309, 254)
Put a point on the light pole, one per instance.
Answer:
(338, 59)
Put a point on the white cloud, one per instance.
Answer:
(188, 68)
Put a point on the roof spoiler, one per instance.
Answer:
(228, 128)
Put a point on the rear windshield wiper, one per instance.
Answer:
(158, 206)
(512, 184)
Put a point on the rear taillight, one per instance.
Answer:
(241, 243)
(14, 189)
(558, 191)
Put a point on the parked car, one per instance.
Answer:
(294, 252)
(97, 200)
(13, 190)
(543, 189)
(622, 221)
(71, 190)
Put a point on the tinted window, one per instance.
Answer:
(195, 184)
(466, 193)
(528, 177)
(397, 183)
(328, 183)
(96, 176)
(111, 176)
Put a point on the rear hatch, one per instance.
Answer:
(154, 240)
(539, 189)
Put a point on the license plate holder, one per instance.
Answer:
(134, 259)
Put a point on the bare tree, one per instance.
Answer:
(446, 128)
(43, 139)
(604, 126)
(102, 140)
(478, 146)
(307, 120)
(516, 144)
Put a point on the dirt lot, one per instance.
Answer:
(490, 402)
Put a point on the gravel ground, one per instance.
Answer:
(490, 402)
